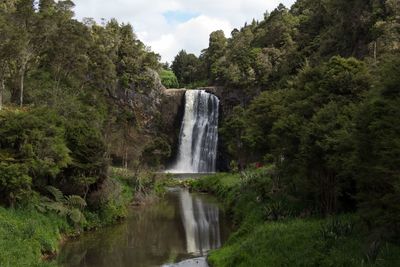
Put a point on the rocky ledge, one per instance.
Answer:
(197, 262)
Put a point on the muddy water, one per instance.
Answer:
(180, 226)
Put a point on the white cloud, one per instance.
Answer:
(168, 38)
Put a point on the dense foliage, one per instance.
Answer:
(265, 54)
(319, 93)
(75, 83)
(267, 235)
(169, 79)
(68, 109)
(323, 82)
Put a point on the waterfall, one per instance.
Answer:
(198, 137)
(201, 223)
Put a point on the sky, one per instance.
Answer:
(167, 26)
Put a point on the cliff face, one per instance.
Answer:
(172, 111)
(138, 119)
(172, 107)
(147, 103)
(157, 112)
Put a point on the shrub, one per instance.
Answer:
(32, 150)
(15, 183)
(168, 79)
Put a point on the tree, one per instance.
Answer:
(186, 68)
(215, 51)
(6, 51)
(232, 130)
(376, 161)
(24, 20)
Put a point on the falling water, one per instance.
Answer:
(201, 223)
(198, 138)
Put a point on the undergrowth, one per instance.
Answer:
(271, 229)
(30, 235)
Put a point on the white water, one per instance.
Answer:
(201, 223)
(198, 138)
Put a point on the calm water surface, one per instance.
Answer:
(179, 227)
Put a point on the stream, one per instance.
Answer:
(181, 227)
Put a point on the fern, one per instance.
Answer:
(76, 216)
(70, 206)
(57, 194)
(75, 201)
(57, 207)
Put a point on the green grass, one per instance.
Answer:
(291, 241)
(298, 242)
(25, 235)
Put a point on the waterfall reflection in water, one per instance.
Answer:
(201, 223)
(180, 226)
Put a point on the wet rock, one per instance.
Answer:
(198, 262)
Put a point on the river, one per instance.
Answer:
(178, 227)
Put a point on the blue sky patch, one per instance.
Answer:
(179, 16)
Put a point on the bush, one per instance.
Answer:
(15, 183)
(168, 79)
(109, 203)
(88, 164)
(32, 150)
(156, 152)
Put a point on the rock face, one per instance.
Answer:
(198, 262)
(159, 112)
(147, 103)
(172, 111)
(136, 118)
(172, 106)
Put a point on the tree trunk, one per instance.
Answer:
(2, 89)
(22, 79)
(126, 158)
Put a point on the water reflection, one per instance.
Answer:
(179, 227)
(201, 222)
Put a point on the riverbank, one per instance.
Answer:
(168, 232)
(269, 232)
(31, 238)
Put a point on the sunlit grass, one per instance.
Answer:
(25, 235)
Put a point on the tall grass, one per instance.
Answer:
(269, 231)
(26, 235)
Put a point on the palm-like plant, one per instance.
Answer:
(71, 206)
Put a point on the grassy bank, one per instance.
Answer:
(31, 238)
(269, 231)
(26, 235)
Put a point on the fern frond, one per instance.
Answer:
(57, 194)
(75, 201)
(76, 216)
(58, 207)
